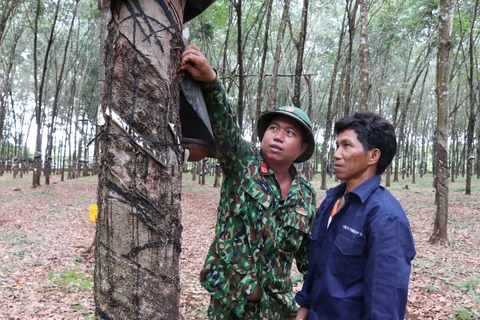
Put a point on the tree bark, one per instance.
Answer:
(225, 56)
(39, 87)
(8, 9)
(440, 235)
(351, 7)
(329, 118)
(258, 109)
(472, 101)
(455, 138)
(138, 244)
(241, 82)
(364, 74)
(415, 126)
(58, 86)
(478, 139)
(6, 86)
(272, 95)
(194, 171)
(300, 44)
(218, 174)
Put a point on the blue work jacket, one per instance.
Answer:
(359, 267)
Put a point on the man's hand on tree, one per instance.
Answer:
(195, 63)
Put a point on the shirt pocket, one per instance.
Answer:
(294, 228)
(235, 259)
(228, 272)
(348, 256)
(258, 192)
(278, 285)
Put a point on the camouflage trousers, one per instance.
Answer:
(219, 311)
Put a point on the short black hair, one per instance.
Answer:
(372, 131)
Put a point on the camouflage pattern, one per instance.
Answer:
(258, 234)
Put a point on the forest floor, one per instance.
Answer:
(45, 272)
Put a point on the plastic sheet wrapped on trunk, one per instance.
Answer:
(194, 7)
(196, 125)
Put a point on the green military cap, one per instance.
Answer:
(296, 114)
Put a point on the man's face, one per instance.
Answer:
(352, 164)
(282, 141)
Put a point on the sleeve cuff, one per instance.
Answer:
(211, 86)
(303, 299)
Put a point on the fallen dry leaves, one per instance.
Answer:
(46, 269)
(43, 235)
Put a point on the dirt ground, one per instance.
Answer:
(46, 272)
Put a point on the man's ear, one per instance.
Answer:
(374, 156)
(304, 147)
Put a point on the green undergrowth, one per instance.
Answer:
(16, 238)
(70, 280)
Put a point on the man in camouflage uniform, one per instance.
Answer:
(266, 209)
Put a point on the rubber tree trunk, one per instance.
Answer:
(440, 235)
(272, 95)
(363, 56)
(330, 115)
(472, 101)
(137, 243)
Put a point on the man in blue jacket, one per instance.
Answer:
(362, 244)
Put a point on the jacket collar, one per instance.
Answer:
(363, 191)
(265, 169)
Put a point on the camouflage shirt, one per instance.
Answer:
(258, 234)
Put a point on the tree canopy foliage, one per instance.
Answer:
(402, 46)
(71, 94)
